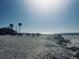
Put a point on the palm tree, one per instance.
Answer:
(19, 25)
(11, 26)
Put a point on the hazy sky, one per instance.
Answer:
(46, 16)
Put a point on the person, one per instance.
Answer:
(33, 34)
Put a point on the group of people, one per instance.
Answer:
(36, 34)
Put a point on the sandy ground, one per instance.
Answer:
(27, 47)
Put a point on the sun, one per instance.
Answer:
(45, 5)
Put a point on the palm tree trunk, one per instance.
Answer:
(19, 29)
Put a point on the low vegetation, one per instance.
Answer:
(42, 47)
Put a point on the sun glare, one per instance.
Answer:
(45, 5)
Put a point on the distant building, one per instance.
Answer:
(7, 31)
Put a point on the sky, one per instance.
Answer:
(45, 16)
